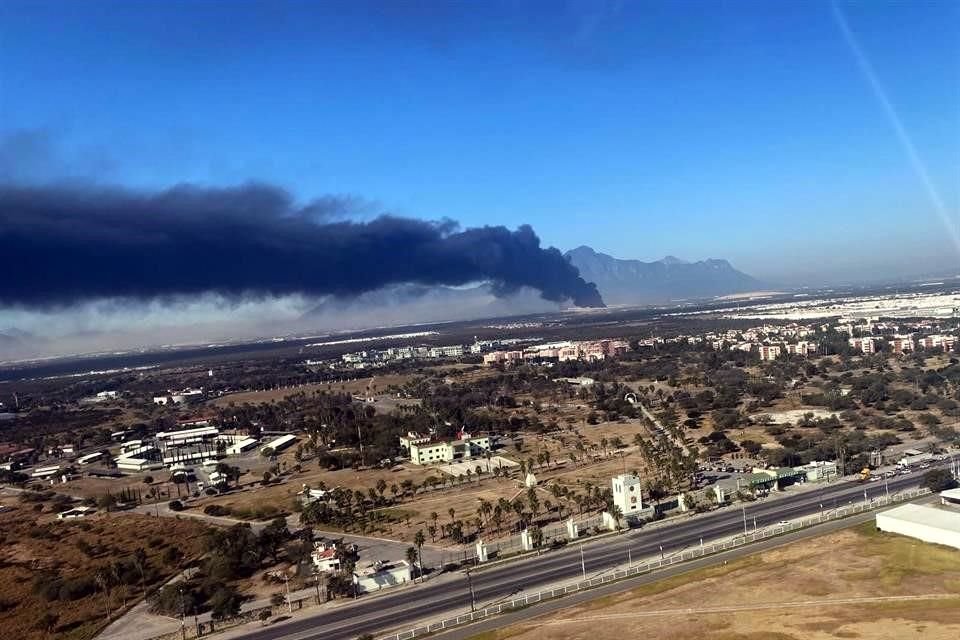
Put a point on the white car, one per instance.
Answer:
(783, 523)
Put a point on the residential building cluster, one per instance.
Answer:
(379, 357)
(903, 343)
(179, 397)
(560, 351)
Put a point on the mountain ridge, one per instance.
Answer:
(624, 281)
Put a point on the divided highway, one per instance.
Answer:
(439, 597)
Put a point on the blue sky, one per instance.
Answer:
(700, 129)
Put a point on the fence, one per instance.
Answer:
(659, 563)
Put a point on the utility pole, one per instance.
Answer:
(183, 629)
(286, 582)
(583, 566)
(360, 441)
(744, 511)
(473, 596)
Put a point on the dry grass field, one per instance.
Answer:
(35, 546)
(360, 386)
(855, 583)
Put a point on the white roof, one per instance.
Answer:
(951, 494)
(279, 442)
(928, 516)
(187, 433)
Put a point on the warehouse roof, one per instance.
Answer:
(951, 494)
(928, 516)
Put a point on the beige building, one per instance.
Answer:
(464, 448)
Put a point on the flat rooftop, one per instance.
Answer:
(929, 516)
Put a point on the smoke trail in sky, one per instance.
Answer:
(952, 226)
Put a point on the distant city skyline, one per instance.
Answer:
(814, 143)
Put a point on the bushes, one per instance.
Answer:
(51, 587)
(175, 505)
(77, 588)
(47, 586)
(217, 510)
(938, 480)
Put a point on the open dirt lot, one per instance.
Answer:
(36, 546)
(360, 386)
(855, 583)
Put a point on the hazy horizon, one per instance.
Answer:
(812, 145)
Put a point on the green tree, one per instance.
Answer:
(224, 603)
(938, 480)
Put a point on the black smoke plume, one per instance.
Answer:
(62, 245)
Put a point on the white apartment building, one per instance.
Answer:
(864, 345)
(901, 344)
(769, 351)
(932, 342)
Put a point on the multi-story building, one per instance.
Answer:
(434, 451)
(413, 438)
(901, 344)
(451, 351)
(503, 357)
(802, 348)
(769, 351)
(932, 342)
(864, 345)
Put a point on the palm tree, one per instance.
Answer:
(617, 514)
(497, 517)
(451, 512)
(139, 558)
(418, 540)
(412, 556)
(534, 503)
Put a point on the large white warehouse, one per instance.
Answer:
(930, 524)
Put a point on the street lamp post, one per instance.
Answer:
(583, 566)
(473, 596)
(183, 628)
(744, 511)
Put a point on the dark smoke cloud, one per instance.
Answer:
(63, 245)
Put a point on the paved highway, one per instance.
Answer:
(446, 594)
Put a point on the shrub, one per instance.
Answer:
(77, 588)
(216, 510)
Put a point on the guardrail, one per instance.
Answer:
(659, 563)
